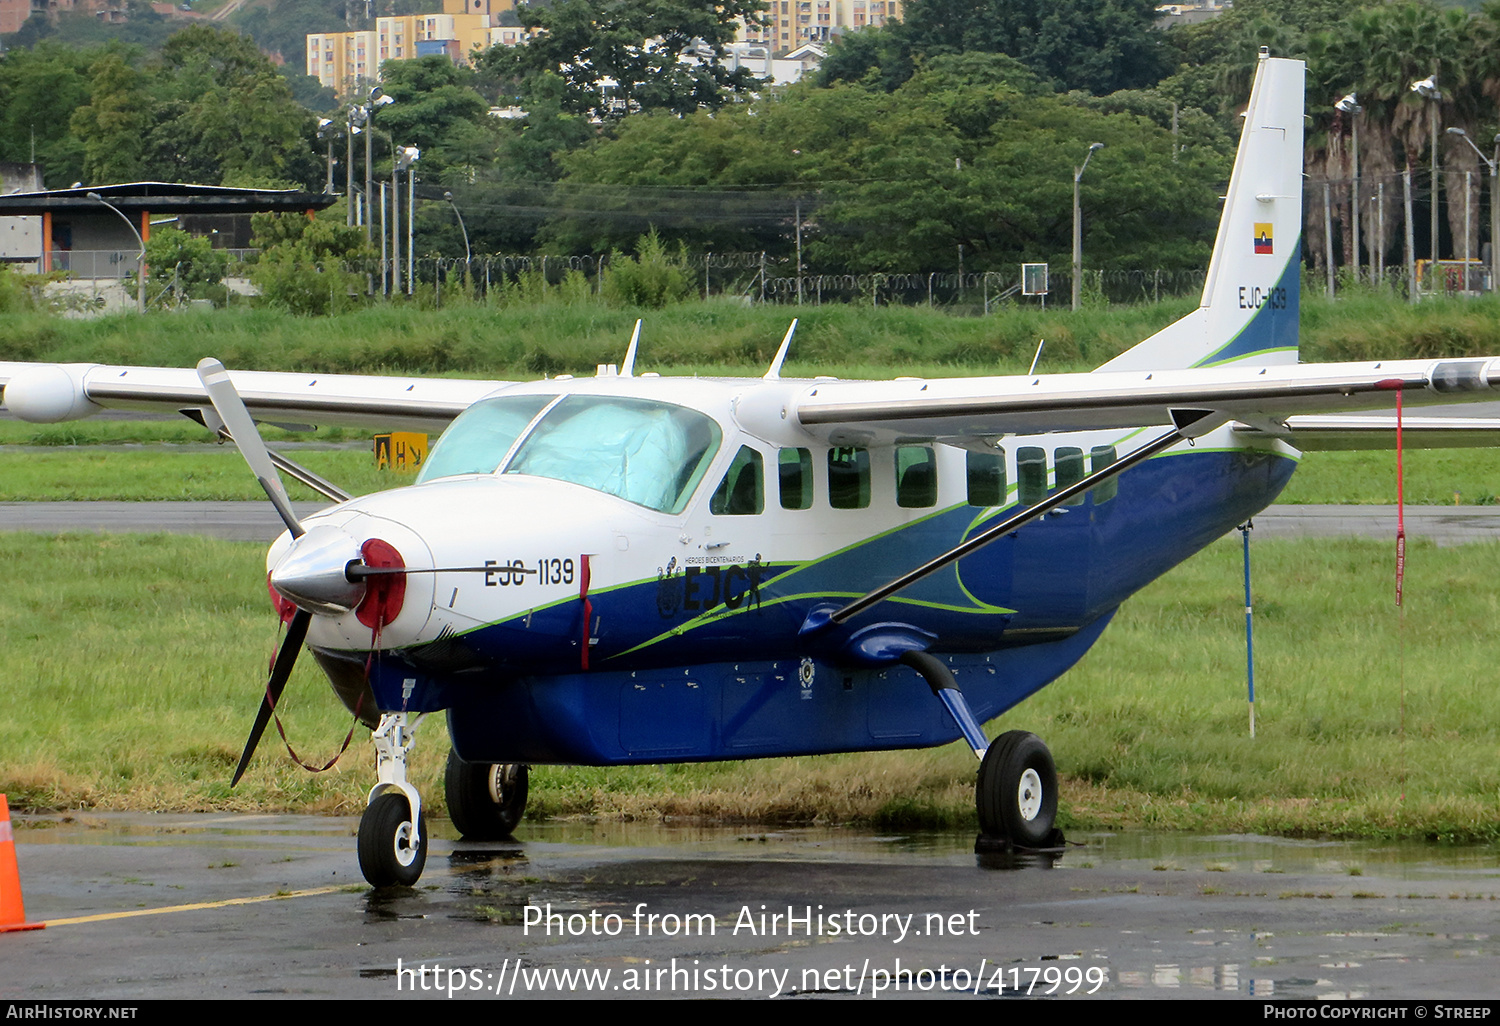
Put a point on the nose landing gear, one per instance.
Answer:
(392, 831)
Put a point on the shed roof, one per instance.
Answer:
(166, 197)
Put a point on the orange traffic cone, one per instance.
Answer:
(12, 909)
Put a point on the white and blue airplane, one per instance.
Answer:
(632, 569)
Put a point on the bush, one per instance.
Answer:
(303, 266)
(187, 265)
(652, 279)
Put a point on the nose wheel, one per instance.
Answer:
(392, 849)
(393, 831)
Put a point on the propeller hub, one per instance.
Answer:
(314, 572)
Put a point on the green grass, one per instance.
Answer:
(1432, 477)
(135, 665)
(717, 336)
(193, 472)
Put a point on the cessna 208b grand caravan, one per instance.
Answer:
(639, 569)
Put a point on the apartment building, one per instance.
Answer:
(794, 23)
(348, 61)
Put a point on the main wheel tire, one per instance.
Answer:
(485, 800)
(1016, 793)
(386, 855)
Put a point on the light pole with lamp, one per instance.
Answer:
(326, 132)
(378, 99)
(1078, 224)
(1350, 105)
(468, 254)
(1428, 90)
(140, 271)
(1494, 209)
(357, 117)
(405, 157)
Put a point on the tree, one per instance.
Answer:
(1097, 46)
(437, 111)
(636, 46)
(39, 90)
(187, 264)
(113, 125)
(308, 266)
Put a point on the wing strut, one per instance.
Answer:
(1189, 424)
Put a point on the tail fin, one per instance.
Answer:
(1250, 299)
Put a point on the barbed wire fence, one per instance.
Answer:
(748, 277)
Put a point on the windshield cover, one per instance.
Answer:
(478, 440)
(645, 452)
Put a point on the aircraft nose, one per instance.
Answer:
(314, 572)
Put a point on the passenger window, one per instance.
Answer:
(986, 478)
(1069, 463)
(916, 477)
(741, 492)
(794, 469)
(848, 478)
(1031, 474)
(1101, 456)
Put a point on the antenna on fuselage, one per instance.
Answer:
(1038, 356)
(627, 369)
(774, 373)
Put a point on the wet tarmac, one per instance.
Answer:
(242, 906)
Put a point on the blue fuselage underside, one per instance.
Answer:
(709, 665)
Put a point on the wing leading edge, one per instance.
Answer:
(48, 393)
(959, 410)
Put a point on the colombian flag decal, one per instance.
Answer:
(1262, 237)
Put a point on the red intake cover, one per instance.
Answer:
(285, 607)
(384, 594)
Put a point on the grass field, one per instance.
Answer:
(134, 666)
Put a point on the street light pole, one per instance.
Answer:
(1078, 224)
(1493, 165)
(468, 254)
(1349, 105)
(378, 99)
(140, 271)
(1428, 89)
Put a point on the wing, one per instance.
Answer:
(47, 393)
(959, 410)
(1333, 432)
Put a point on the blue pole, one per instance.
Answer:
(1249, 629)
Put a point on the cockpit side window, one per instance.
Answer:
(742, 492)
(848, 478)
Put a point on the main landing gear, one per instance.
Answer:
(485, 801)
(1016, 791)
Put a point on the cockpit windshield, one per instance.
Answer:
(646, 452)
(478, 440)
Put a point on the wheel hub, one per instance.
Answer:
(405, 853)
(1029, 795)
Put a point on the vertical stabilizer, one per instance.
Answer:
(1248, 314)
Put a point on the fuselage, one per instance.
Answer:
(650, 556)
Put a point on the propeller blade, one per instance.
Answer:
(296, 633)
(231, 410)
